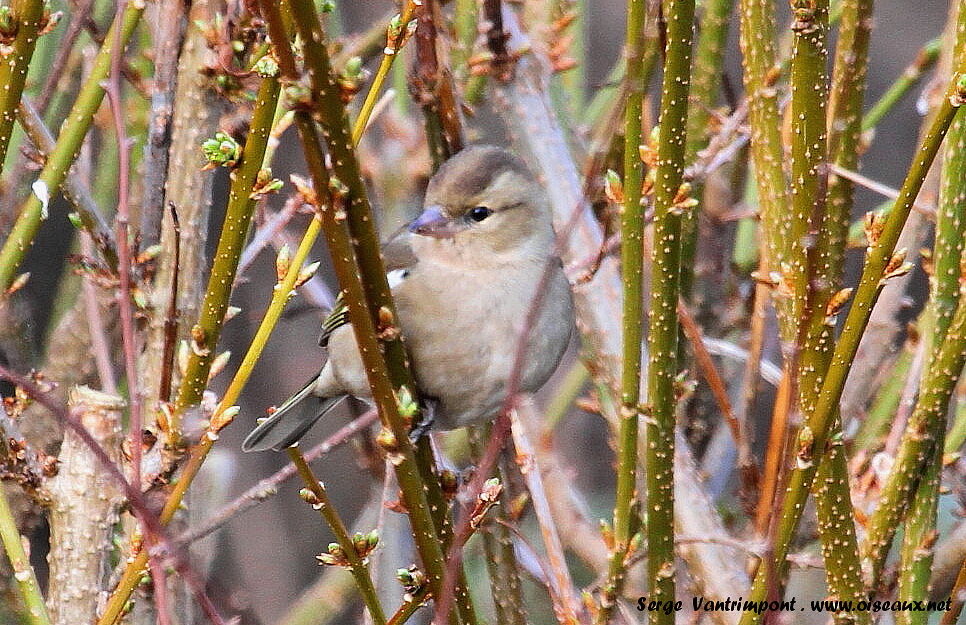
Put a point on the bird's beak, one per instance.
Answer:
(432, 222)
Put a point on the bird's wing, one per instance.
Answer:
(398, 256)
(337, 317)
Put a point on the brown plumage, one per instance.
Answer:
(464, 275)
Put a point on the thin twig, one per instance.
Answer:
(874, 275)
(13, 543)
(75, 187)
(884, 190)
(350, 551)
(112, 89)
(910, 76)
(433, 89)
(565, 600)
(26, 17)
(100, 345)
(747, 467)
(135, 499)
(958, 597)
(268, 487)
(34, 209)
(171, 315)
(393, 47)
(79, 15)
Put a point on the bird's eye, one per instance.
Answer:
(480, 213)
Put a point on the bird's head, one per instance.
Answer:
(484, 200)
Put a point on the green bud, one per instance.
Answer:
(395, 25)
(404, 576)
(353, 67)
(408, 408)
(326, 6)
(298, 95)
(140, 299)
(222, 150)
(308, 496)
(338, 187)
(266, 67)
(152, 251)
(8, 25)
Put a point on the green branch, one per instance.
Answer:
(919, 535)
(705, 84)
(910, 77)
(34, 209)
(36, 611)
(881, 263)
(354, 247)
(26, 18)
(234, 231)
(670, 199)
(920, 441)
(761, 72)
(829, 223)
(397, 39)
(632, 271)
(809, 152)
(354, 554)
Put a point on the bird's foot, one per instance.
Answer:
(427, 416)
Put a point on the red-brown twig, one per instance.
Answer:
(501, 428)
(99, 344)
(775, 454)
(171, 316)
(79, 15)
(747, 467)
(496, 39)
(149, 521)
(433, 89)
(269, 486)
(566, 605)
(121, 223)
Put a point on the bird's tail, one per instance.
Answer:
(290, 421)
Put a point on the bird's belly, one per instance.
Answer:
(467, 377)
(463, 355)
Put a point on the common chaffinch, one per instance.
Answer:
(463, 275)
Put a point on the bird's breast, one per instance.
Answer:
(463, 330)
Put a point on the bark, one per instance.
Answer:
(84, 510)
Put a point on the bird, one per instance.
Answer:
(463, 274)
